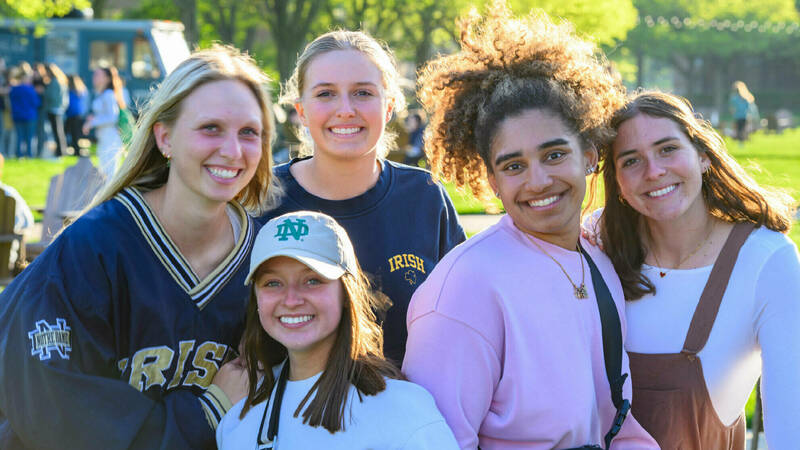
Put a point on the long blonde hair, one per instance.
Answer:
(360, 41)
(146, 168)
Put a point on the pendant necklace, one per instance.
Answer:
(579, 290)
(664, 271)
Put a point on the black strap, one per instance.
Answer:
(275, 414)
(612, 347)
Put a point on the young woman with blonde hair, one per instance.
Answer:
(345, 89)
(114, 334)
(509, 331)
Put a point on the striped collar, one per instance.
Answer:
(201, 291)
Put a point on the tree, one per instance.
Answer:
(40, 9)
(289, 23)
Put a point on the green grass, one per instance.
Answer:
(31, 177)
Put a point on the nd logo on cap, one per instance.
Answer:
(296, 229)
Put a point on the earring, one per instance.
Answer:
(497, 194)
(621, 200)
(589, 170)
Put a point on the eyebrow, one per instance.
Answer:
(357, 83)
(658, 142)
(545, 145)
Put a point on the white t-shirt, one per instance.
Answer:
(756, 332)
(403, 416)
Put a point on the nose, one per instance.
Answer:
(538, 179)
(231, 147)
(346, 108)
(653, 170)
(293, 297)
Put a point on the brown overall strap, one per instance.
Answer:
(707, 308)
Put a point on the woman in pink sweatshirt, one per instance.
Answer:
(505, 332)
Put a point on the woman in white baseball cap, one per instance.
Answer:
(313, 350)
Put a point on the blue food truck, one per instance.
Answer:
(143, 51)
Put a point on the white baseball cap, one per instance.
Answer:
(313, 238)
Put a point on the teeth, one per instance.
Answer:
(544, 201)
(346, 130)
(295, 320)
(661, 192)
(223, 173)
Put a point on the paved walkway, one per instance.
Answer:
(475, 223)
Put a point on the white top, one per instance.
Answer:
(105, 110)
(403, 416)
(757, 331)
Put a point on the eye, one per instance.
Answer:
(269, 283)
(669, 148)
(250, 132)
(512, 167)
(629, 162)
(363, 93)
(210, 128)
(323, 93)
(314, 281)
(555, 155)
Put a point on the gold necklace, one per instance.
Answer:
(664, 271)
(579, 291)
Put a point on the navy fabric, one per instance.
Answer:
(104, 348)
(400, 229)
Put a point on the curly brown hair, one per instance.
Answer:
(508, 65)
(729, 193)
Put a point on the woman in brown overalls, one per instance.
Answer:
(713, 285)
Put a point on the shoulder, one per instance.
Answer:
(408, 174)
(407, 404)
(466, 275)
(763, 244)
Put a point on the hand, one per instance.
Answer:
(232, 379)
(590, 229)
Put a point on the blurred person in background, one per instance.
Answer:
(76, 111)
(40, 81)
(744, 109)
(24, 108)
(56, 99)
(106, 106)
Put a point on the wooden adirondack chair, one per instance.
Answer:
(7, 238)
(69, 193)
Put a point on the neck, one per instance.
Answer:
(567, 240)
(304, 365)
(337, 179)
(674, 241)
(188, 223)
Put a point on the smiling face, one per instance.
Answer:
(539, 171)
(659, 171)
(214, 144)
(299, 308)
(344, 104)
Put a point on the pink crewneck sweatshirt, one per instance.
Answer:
(511, 357)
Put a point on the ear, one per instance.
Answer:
(705, 161)
(591, 156)
(389, 110)
(492, 182)
(301, 113)
(161, 132)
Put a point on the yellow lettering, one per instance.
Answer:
(122, 364)
(186, 349)
(391, 264)
(405, 260)
(420, 264)
(398, 261)
(207, 360)
(147, 367)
